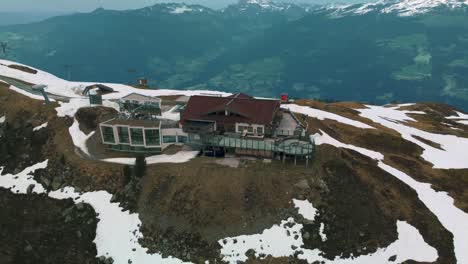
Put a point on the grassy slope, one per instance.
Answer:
(192, 205)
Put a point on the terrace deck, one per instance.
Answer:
(288, 146)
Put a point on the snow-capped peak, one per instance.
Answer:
(265, 4)
(400, 7)
(411, 7)
(174, 8)
(181, 9)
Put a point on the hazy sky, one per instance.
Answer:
(88, 5)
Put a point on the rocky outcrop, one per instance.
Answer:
(39, 229)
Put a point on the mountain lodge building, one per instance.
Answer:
(238, 124)
(238, 113)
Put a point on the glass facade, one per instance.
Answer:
(108, 134)
(137, 136)
(182, 139)
(152, 137)
(124, 137)
(169, 139)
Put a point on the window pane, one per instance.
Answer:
(123, 135)
(260, 130)
(152, 137)
(137, 136)
(108, 134)
(182, 139)
(169, 139)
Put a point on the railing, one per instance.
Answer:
(287, 146)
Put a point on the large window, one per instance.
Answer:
(152, 137)
(124, 137)
(108, 134)
(169, 139)
(182, 139)
(241, 128)
(260, 130)
(137, 136)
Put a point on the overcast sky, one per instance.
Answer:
(89, 5)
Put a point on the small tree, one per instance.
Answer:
(127, 174)
(140, 166)
(63, 159)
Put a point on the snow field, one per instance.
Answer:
(117, 231)
(285, 240)
(439, 203)
(453, 152)
(322, 115)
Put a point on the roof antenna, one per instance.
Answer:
(40, 88)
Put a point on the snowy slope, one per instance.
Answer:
(265, 4)
(61, 87)
(440, 203)
(401, 8)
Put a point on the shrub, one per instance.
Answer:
(127, 174)
(140, 166)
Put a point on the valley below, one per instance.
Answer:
(386, 52)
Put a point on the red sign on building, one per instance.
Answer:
(284, 98)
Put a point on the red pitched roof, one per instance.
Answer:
(248, 109)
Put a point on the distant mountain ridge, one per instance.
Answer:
(400, 7)
(378, 52)
(14, 18)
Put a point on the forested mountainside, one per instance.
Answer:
(384, 52)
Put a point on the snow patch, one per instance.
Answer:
(117, 232)
(181, 10)
(279, 241)
(305, 208)
(413, 7)
(322, 115)
(460, 118)
(401, 7)
(20, 182)
(61, 87)
(324, 138)
(40, 127)
(71, 107)
(179, 157)
(79, 137)
(276, 241)
(409, 246)
(453, 152)
(322, 234)
(439, 203)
